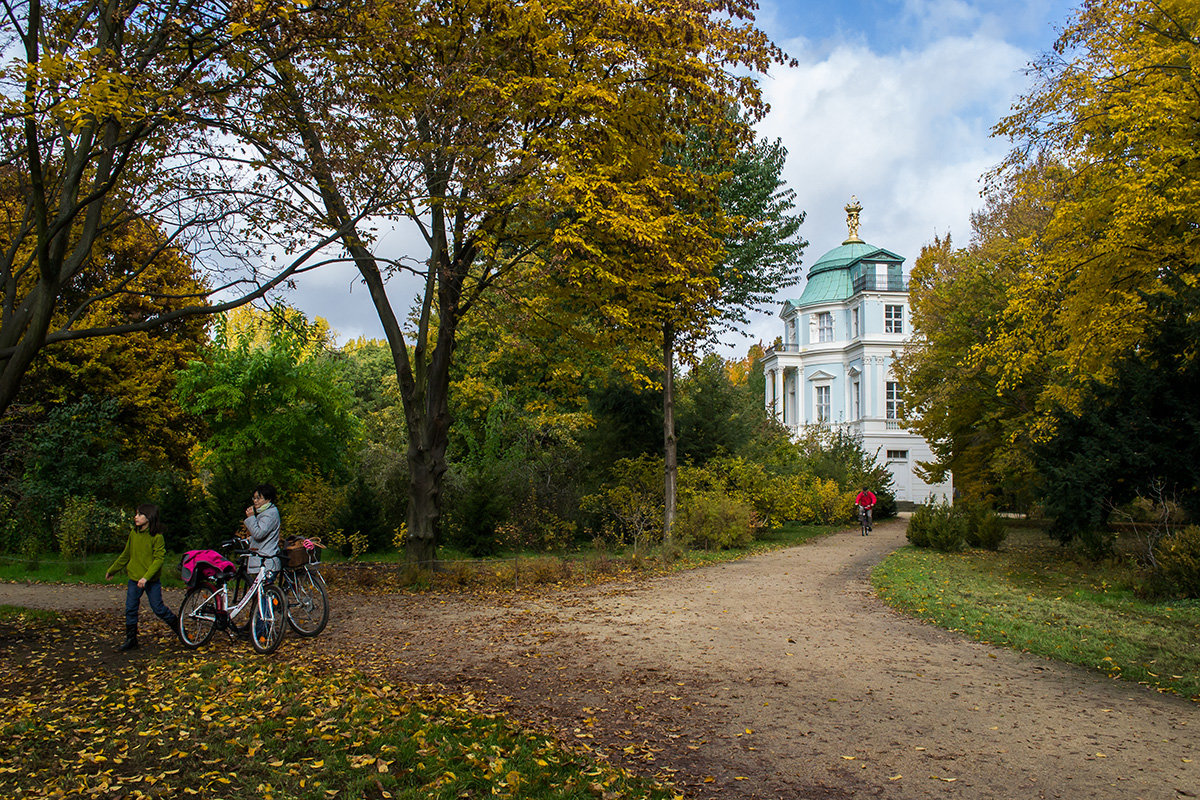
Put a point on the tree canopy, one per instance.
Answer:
(515, 137)
(1038, 343)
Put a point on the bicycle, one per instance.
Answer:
(864, 520)
(220, 602)
(304, 588)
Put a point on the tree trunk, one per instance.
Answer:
(670, 459)
(427, 466)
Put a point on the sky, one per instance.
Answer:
(892, 102)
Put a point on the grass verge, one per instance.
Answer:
(512, 572)
(51, 568)
(1035, 596)
(212, 728)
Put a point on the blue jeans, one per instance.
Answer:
(153, 592)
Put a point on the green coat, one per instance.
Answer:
(142, 557)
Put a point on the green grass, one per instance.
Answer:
(53, 568)
(1035, 596)
(213, 728)
(19, 615)
(514, 570)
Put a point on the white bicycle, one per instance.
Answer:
(211, 605)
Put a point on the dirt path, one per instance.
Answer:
(779, 676)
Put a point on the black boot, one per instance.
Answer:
(173, 623)
(130, 638)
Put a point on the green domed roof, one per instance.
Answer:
(833, 277)
(841, 257)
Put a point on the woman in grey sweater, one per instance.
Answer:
(262, 523)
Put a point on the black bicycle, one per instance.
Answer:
(302, 584)
(864, 519)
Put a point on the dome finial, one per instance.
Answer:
(852, 210)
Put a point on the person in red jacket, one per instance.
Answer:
(866, 505)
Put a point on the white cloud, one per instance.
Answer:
(907, 132)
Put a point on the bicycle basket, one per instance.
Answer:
(298, 552)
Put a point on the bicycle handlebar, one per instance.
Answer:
(241, 549)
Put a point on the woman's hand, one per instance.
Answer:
(141, 583)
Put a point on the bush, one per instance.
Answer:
(811, 501)
(938, 526)
(630, 504)
(1178, 557)
(984, 528)
(87, 526)
(713, 520)
(311, 510)
(535, 529)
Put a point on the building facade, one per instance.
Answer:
(833, 365)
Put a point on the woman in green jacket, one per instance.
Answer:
(142, 560)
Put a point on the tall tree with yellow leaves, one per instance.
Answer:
(108, 118)
(1115, 103)
(514, 136)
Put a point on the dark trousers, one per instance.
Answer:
(153, 592)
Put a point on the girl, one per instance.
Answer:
(142, 560)
(262, 524)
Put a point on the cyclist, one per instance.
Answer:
(865, 501)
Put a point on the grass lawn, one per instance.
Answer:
(1036, 596)
(456, 570)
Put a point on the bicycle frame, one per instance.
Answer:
(252, 593)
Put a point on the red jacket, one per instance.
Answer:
(865, 499)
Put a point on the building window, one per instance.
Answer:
(823, 408)
(825, 327)
(895, 405)
(897, 455)
(854, 321)
(893, 319)
(857, 400)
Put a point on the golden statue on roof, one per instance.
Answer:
(852, 210)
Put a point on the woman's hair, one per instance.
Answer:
(267, 491)
(150, 512)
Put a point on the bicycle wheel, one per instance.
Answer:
(197, 617)
(307, 603)
(267, 620)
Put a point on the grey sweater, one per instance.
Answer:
(264, 539)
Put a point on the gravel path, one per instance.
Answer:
(778, 676)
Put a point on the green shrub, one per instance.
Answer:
(984, 528)
(536, 529)
(1178, 557)
(919, 525)
(310, 511)
(938, 526)
(714, 521)
(88, 526)
(630, 503)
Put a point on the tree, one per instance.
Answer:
(1036, 343)
(274, 409)
(761, 256)
(1114, 103)
(978, 423)
(716, 414)
(139, 375)
(1140, 436)
(515, 136)
(107, 121)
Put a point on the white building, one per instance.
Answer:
(834, 365)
